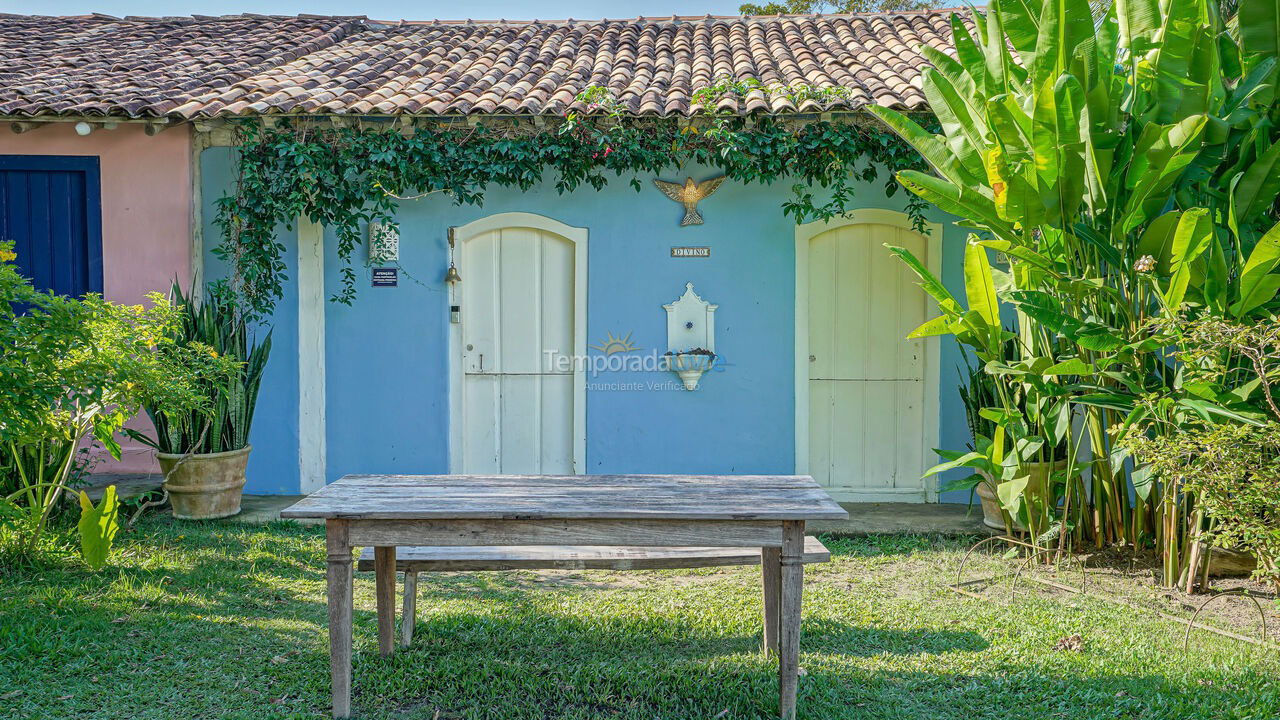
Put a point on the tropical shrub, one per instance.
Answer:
(994, 405)
(1229, 467)
(1127, 167)
(221, 422)
(1233, 471)
(74, 369)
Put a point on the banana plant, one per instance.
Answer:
(1127, 167)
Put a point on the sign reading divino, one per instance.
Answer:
(691, 252)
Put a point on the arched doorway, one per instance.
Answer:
(866, 397)
(519, 393)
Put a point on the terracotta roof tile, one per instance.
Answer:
(236, 65)
(100, 65)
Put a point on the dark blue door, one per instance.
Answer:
(50, 207)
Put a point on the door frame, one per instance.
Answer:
(576, 235)
(932, 420)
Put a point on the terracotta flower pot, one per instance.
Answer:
(991, 516)
(1037, 485)
(205, 487)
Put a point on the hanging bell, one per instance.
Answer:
(451, 275)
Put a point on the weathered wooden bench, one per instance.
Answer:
(413, 560)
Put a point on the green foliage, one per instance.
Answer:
(222, 620)
(1230, 465)
(98, 527)
(221, 423)
(1126, 166)
(1234, 472)
(75, 368)
(977, 391)
(346, 177)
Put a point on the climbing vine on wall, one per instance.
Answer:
(345, 177)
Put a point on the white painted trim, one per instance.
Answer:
(929, 433)
(312, 444)
(884, 495)
(575, 235)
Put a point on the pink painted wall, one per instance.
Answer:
(146, 218)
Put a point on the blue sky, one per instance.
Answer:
(383, 9)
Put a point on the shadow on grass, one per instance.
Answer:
(441, 683)
(822, 635)
(226, 621)
(532, 634)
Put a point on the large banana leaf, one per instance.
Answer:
(968, 52)
(1162, 153)
(1166, 70)
(1138, 20)
(1257, 188)
(1257, 284)
(1190, 239)
(1059, 114)
(1065, 25)
(958, 200)
(1046, 310)
(979, 288)
(964, 129)
(934, 150)
(1022, 25)
(928, 281)
(956, 74)
(1259, 22)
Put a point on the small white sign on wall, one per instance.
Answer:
(384, 243)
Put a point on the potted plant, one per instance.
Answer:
(690, 365)
(204, 456)
(977, 390)
(1013, 480)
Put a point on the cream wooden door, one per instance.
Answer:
(518, 314)
(866, 381)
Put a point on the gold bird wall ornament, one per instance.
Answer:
(689, 195)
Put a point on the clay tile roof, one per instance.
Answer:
(101, 65)
(245, 65)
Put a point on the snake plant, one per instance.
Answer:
(215, 321)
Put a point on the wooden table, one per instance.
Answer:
(383, 511)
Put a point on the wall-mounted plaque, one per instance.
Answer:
(386, 277)
(691, 252)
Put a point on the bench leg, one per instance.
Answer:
(384, 567)
(789, 621)
(771, 575)
(410, 608)
(338, 553)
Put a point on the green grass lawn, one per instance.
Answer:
(220, 620)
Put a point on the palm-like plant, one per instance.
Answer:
(1128, 168)
(218, 323)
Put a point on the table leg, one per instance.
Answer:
(771, 576)
(410, 615)
(338, 551)
(792, 562)
(384, 567)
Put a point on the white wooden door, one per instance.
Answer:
(866, 381)
(518, 314)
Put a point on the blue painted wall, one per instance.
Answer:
(273, 464)
(387, 371)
